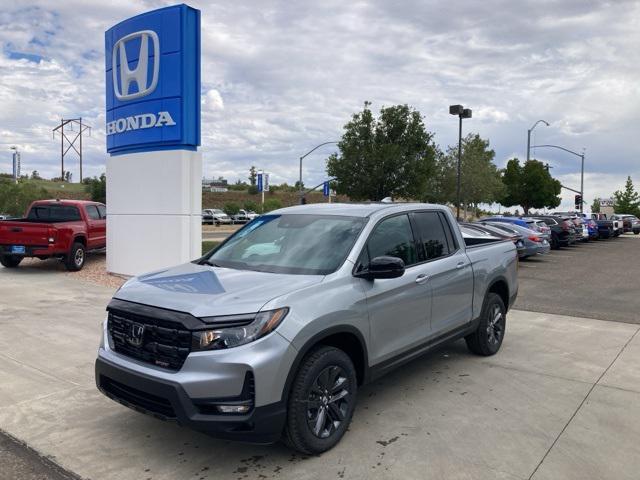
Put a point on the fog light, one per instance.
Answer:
(233, 408)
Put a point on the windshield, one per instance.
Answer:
(298, 244)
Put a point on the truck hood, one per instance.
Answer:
(205, 291)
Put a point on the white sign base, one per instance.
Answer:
(154, 206)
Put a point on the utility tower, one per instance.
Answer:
(72, 125)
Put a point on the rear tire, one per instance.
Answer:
(75, 260)
(10, 261)
(487, 338)
(321, 401)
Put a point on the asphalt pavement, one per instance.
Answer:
(598, 279)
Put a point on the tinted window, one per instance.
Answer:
(432, 234)
(54, 213)
(92, 211)
(393, 237)
(103, 211)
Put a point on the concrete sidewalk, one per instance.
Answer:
(560, 401)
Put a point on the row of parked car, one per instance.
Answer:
(536, 235)
(215, 216)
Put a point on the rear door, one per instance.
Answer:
(449, 272)
(399, 308)
(96, 229)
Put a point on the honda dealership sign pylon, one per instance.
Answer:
(152, 77)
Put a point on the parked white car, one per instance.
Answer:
(214, 216)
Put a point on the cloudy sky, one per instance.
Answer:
(279, 77)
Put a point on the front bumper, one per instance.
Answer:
(168, 401)
(189, 396)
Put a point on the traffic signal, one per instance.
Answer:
(578, 202)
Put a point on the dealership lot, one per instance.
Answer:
(560, 400)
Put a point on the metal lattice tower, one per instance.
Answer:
(71, 144)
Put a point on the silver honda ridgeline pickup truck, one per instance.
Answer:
(270, 335)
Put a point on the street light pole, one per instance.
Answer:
(300, 187)
(461, 112)
(581, 155)
(529, 135)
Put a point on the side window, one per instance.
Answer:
(92, 211)
(393, 237)
(432, 234)
(103, 211)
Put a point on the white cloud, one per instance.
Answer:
(281, 77)
(213, 100)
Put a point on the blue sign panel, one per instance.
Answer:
(325, 189)
(260, 184)
(153, 81)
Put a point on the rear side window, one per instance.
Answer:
(54, 213)
(92, 211)
(433, 235)
(393, 237)
(103, 211)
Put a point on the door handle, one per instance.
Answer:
(461, 265)
(422, 278)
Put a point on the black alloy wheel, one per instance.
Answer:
(321, 400)
(328, 402)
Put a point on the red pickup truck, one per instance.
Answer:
(64, 229)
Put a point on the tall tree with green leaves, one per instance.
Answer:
(627, 200)
(392, 155)
(595, 206)
(529, 185)
(479, 179)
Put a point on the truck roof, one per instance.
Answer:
(352, 209)
(67, 201)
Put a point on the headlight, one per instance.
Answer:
(263, 324)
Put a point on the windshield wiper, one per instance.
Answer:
(211, 264)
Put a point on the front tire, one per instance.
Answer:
(321, 402)
(75, 260)
(487, 338)
(10, 261)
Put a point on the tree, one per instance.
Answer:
(67, 176)
(479, 180)
(595, 206)
(392, 155)
(529, 185)
(253, 176)
(627, 201)
(97, 188)
(231, 208)
(35, 175)
(271, 204)
(251, 206)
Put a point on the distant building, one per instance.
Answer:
(215, 185)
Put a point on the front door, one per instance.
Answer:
(398, 307)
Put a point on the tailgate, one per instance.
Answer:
(24, 233)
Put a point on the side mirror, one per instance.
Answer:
(383, 267)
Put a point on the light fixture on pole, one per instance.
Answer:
(300, 187)
(461, 112)
(581, 155)
(529, 135)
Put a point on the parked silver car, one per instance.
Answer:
(271, 334)
(535, 243)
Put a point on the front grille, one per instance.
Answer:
(156, 341)
(138, 399)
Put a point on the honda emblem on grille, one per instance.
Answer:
(136, 333)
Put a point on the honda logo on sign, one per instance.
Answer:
(139, 75)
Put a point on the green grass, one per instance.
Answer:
(57, 186)
(208, 245)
